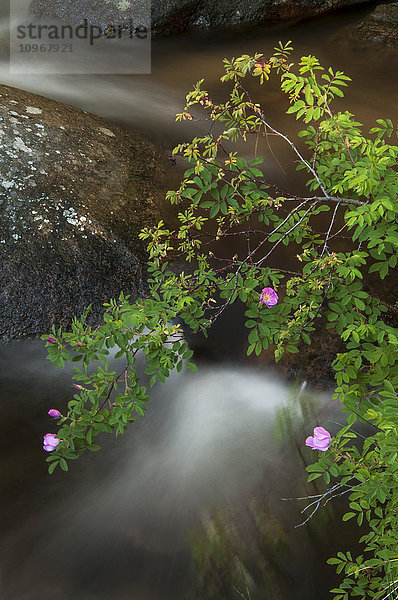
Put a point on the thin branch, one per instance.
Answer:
(320, 500)
(390, 591)
(325, 246)
(259, 262)
(331, 198)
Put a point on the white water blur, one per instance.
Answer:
(118, 97)
(206, 440)
(148, 103)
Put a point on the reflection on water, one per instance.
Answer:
(116, 526)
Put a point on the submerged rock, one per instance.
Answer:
(170, 16)
(381, 26)
(74, 193)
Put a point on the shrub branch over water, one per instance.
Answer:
(352, 178)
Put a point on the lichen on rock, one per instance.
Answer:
(75, 191)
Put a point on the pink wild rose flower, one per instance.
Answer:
(50, 442)
(269, 297)
(320, 440)
(54, 413)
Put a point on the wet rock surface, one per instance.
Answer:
(74, 193)
(97, 12)
(380, 27)
(171, 16)
(178, 15)
(313, 363)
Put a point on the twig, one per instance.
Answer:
(321, 499)
(325, 246)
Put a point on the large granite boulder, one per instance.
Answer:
(170, 16)
(74, 193)
(178, 15)
(380, 27)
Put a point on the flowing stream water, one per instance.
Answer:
(117, 527)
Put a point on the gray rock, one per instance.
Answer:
(97, 12)
(177, 15)
(381, 26)
(74, 193)
(170, 16)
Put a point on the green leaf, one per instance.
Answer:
(250, 349)
(316, 468)
(94, 447)
(348, 516)
(191, 366)
(292, 349)
(63, 464)
(214, 211)
(52, 467)
(314, 476)
(308, 95)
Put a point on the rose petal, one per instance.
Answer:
(322, 443)
(320, 431)
(269, 297)
(54, 413)
(50, 442)
(320, 440)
